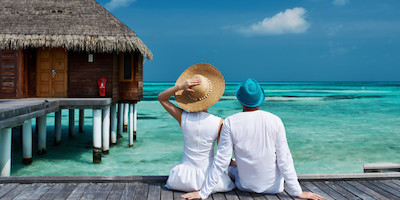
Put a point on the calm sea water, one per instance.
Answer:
(331, 128)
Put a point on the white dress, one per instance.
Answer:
(200, 131)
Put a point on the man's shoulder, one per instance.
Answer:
(258, 113)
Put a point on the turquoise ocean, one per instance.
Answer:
(332, 127)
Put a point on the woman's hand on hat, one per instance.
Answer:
(188, 84)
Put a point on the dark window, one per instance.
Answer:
(127, 67)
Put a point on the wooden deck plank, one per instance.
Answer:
(14, 192)
(342, 190)
(366, 190)
(316, 190)
(293, 197)
(129, 192)
(324, 187)
(27, 192)
(53, 191)
(271, 197)
(78, 191)
(66, 191)
(154, 191)
(104, 191)
(257, 196)
(177, 195)
(41, 190)
(391, 184)
(354, 190)
(397, 182)
(231, 195)
(166, 194)
(243, 195)
(377, 190)
(7, 188)
(90, 191)
(387, 188)
(142, 191)
(284, 196)
(116, 191)
(218, 196)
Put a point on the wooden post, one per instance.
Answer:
(120, 119)
(134, 121)
(42, 134)
(57, 127)
(126, 112)
(27, 142)
(130, 124)
(106, 129)
(71, 123)
(113, 121)
(5, 152)
(96, 135)
(81, 120)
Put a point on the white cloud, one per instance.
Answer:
(113, 4)
(340, 2)
(290, 21)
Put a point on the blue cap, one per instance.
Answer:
(250, 93)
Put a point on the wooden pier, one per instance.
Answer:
(342, 186)
(17, 112)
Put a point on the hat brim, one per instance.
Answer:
(217, 90)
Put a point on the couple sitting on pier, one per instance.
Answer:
(262, 156)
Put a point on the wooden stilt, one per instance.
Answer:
(96, 135)
(81, 120)
(134, 121)
(27, 142)
(42, 134)
(113, 122)
(130, 125)
(106, 129)
(57, 127)
(5, 152)
(120, 119)
(71, 123)
(126, 113)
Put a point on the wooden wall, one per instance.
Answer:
(83, 75)
(115, 92)
(133, 91)
(13, 74)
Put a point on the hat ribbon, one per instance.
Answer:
(205, 96)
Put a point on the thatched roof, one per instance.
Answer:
(79, 25)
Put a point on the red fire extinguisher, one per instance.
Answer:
(102, 86)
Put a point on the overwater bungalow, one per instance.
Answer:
(66, 54)
(52, 48)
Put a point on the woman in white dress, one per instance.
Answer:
(198, 88)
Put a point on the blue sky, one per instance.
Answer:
(269, 40)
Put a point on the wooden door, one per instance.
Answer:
(52, 73)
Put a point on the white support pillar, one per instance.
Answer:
(113, 121)
(130, 125)
(42, 134)
(120, 119)
(81, 120)
(71, 123)
(134, 121)
(126, 113)
(5, 152)
(27, 142)
(57, 127)
(96, 135)
(106, 130)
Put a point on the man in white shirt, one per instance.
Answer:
(258, 140)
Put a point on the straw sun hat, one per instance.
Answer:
(206, 94)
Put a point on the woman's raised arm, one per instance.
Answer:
(164, 96)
